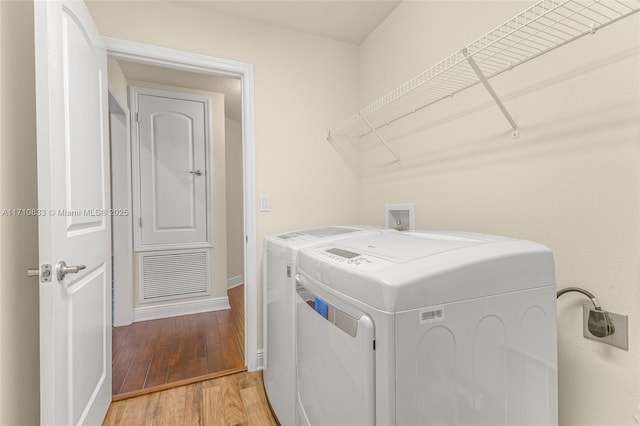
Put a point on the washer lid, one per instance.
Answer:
(401, 247)
(396, 271)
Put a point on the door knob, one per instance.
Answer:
(62, 269)
(196, 172)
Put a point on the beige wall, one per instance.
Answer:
(234, 165)
(303, 85)
(117, 81)
(19, 344)
(570, 181)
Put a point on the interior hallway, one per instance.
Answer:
(148, 354)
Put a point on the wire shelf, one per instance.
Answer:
(541, 28)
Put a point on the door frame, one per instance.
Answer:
(122, 228)
(187, 61)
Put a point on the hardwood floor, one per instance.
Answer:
(148, 354)
(236, 399)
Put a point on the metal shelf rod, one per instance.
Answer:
(494, 95)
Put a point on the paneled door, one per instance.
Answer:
(171, 150)
(73, 209)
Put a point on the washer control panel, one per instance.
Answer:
(349, 258)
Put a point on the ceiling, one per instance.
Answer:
(350, 21)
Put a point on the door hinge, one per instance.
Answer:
(246, 239)
(140, 222)
(137, 117)
(374, 345)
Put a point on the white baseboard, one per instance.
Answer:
(260, 360)
(235, 281)
(144, 313)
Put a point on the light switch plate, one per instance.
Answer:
(620, 337)
(265, 202)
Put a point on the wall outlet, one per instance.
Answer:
(399, 216)
(620, 337)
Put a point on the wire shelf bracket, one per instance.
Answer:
(336, 146)
(383, 140)
(539, 29)
(494, 95)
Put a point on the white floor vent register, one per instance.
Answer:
(169, 275)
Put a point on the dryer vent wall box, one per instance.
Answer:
(399, 216)
(464, 327)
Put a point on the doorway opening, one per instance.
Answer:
(156, 66)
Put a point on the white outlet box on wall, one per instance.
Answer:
(399, 216)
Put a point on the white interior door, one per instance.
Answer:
(172, 168)
(74, 223)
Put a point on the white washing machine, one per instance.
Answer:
(279, 307)
(426, 328)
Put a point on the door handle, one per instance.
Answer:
(196, 172)
(62, 269)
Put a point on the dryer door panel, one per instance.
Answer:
(335, 365)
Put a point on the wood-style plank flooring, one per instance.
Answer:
(237, 399)
(148, 354)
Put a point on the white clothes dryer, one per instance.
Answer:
(426, 328)
(279, 307)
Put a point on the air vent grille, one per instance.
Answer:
(174, 275)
